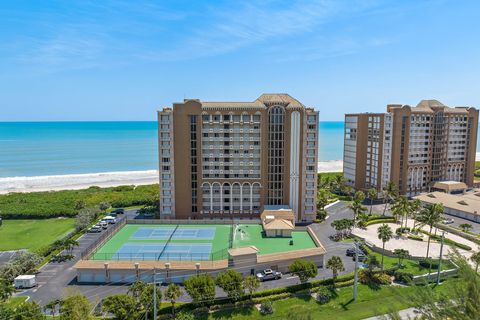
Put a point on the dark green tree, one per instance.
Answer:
(201, 288)
(304, 269)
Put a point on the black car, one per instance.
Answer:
(119, 211)
(351, 252)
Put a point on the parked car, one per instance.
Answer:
(269, 274)
(95, 229)
(361, 257)
(448, 221)
(351, 252)
(103, 224)
(112, 214)
(119, 211)
(110, 219)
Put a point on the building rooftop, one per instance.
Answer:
(265, 100)
(449, 186)
(468, 202)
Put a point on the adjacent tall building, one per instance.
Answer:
(230, 159)
(410, 146)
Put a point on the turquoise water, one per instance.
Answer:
(51, 148)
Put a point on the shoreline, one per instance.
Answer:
(104, 179)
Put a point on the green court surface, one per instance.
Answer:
(126, 235)
(252, 235)
(193, 242)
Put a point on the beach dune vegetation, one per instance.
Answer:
(68, 203)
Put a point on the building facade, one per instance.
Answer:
(411, 146)
(229, 159)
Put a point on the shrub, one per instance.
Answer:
(324, 294)
(403, 277)
(414, 237)
(184, 316)
(368, 277)
(42, 205)
(201, 313)
(274, 297)
(428, 263)
(382, 278)
(266, 307)
(402, 230)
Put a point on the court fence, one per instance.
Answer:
(103, 238)
(225, 221)
(151, 256)
(91, 251)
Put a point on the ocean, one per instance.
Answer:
(58, 148)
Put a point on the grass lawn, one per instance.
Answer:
(370, 302)
(251, 235)
(14, 302)
(410, 266)
(33, 234)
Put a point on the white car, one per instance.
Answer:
(448, 221)
(110, 219)
(269, 274)
(104, 224)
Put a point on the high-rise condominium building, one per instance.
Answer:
(411, 146)
(230, 159)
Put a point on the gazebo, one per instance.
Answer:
(278, 221)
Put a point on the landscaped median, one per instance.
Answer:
(298, 300)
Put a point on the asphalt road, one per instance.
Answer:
(54, 278)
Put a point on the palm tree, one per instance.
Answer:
(384, 233)
(336, 265)
(415, 207)
(401, 208)
(356, 206)
(390, 191)
(475, 258)
(172, 293)
(372, 194)
(339, 183)
(400, 254)
(430, 215)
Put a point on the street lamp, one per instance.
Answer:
(355, 278)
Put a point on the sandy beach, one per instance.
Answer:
(104, 179)
(77, 181)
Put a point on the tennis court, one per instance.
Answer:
(172, 251)
(174, 233)
(167, 242)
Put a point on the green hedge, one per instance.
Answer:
(377, 216)
(383, 220)
(414, 237)
(68, 202)
(448, 241)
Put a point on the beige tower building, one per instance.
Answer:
(412, 146)
(230, 159)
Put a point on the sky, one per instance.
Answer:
(123, 60)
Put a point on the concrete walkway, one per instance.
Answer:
(415, 248)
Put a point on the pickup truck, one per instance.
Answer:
(268, 274)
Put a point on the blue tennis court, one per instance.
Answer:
(157, 251)
(164, 233)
